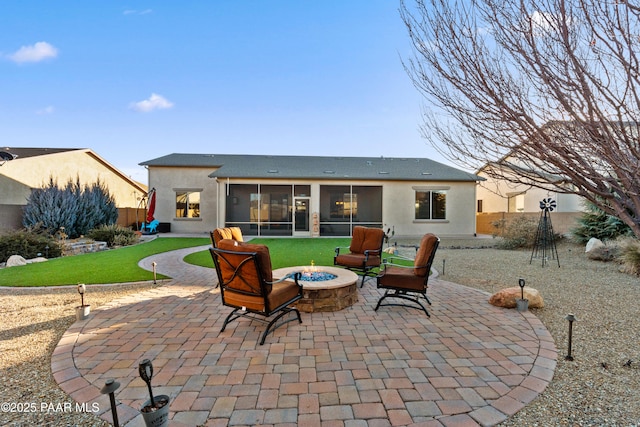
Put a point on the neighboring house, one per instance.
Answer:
(32, 167)
(498, 199)
(268, 195)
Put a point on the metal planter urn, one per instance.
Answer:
(156, 415)
(522, 304)
(82, 312)
(155, 411)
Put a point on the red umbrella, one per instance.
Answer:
(152, 206)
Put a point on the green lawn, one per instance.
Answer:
(121, 265)
(287, 252)
(113, 266)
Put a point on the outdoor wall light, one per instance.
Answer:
(110, 386)
(571, 318)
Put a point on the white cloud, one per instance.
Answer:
(137, 12)
(544, 23)
(36, 53)
(155, 102)
(46, 110)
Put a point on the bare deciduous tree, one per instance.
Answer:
(546, 91)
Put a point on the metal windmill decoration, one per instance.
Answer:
(545, 243)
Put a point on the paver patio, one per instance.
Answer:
(469, 364)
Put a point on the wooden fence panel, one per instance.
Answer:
(562, 222)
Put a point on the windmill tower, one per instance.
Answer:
(545, 243)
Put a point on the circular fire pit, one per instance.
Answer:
(323, 288)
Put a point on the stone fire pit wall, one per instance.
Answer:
(327, 295)
(334, 299)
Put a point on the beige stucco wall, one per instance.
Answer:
(399, 209)
(495, 197)
(398, 204)
(168, 180)
(19, 176)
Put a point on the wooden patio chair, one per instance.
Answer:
(365, 251)
(409, 282)
(247, 286)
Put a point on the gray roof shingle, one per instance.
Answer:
(23, 153)
(317, 167)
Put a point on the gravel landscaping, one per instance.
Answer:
(599, 388)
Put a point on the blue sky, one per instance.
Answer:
(138, 80)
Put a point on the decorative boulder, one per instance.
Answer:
(507, 297)
(597, 250)
(15, 261)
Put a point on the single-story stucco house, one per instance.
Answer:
(27, 168)
(268, 195)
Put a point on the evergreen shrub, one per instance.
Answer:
(594, 222)
(114, 235)
(75, 207)
(28, 243)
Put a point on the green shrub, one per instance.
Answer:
(28, 243)
(114, 235)
(594, 222)
(629, 255)
(519, 233)
(74, 207)
(125, 239)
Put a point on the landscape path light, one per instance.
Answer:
(110, 386)
(145, 368)
(81, 290)
(155, 411)
(571, 318)
(522, 304)
(83, 310)
(154, 265)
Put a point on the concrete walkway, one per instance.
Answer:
(469, 364)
